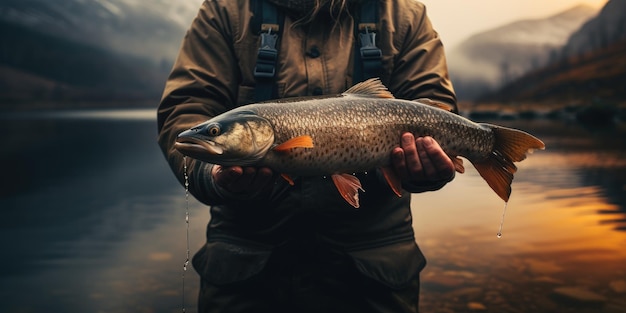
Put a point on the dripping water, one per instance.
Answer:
(187, 227)
(499, 234)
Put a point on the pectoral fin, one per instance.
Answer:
(288, 179)
(348, 186)
(296, 142)
(458, 165)
(393, 180)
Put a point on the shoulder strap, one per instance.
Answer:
(268, 22)
(367, 56)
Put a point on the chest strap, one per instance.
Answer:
(368, 57)
(268, 21)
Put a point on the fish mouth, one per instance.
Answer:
(195, 147)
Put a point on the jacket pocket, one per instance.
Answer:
(222, 263)
(395, 266)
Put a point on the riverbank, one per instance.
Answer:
(595, 112)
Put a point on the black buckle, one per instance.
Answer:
(371, 56)
(369, 50)
(266, 56)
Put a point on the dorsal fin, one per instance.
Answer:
(435, 104)
(372, 87)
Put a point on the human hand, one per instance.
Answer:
(242, 180)
(421, 160)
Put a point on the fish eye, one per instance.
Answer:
(214, 130)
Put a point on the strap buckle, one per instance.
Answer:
(267, 56)
(371, 56)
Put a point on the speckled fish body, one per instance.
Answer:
(350, 133)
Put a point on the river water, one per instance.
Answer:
(94, 221)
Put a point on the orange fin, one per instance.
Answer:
(514, 144)
(288, 179)
(296, 142)
(436, 104)
(393, 180)
(497, 177)
(348, 186)
(458, 165)
(372, 87)
(511, 145)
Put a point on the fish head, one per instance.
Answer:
(233, 138)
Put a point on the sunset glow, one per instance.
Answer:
(457, 20)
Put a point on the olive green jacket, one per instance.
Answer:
(214, 73)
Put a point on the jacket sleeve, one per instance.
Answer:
(201, 85)
(419, 68)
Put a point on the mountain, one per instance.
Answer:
(65, 52)
(145, 28)
(596, 76)
(608, 27)
(36, 67)
(487, 60)
(591, 67)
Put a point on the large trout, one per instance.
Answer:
(351, 133)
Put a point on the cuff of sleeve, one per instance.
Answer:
(417, 187)
(220, 194)
(205, 187)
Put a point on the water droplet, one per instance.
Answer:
(187, 228)
(499, 234)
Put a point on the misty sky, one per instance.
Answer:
(456, 20)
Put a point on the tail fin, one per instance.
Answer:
(511, 145)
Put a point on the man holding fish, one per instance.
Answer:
(302, 234)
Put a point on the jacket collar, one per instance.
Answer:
(304, 7)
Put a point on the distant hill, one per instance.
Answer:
(576, 80)
(490, 59)
(600, 32)
(147, 28)
(591, 66)
(89, 53)
(40, 68)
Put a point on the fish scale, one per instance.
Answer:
(358, 134)
(352, 132)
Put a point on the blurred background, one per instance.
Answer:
(92, 219)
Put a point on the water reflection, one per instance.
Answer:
(562, 230)
(92, 217)
(92, 220)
